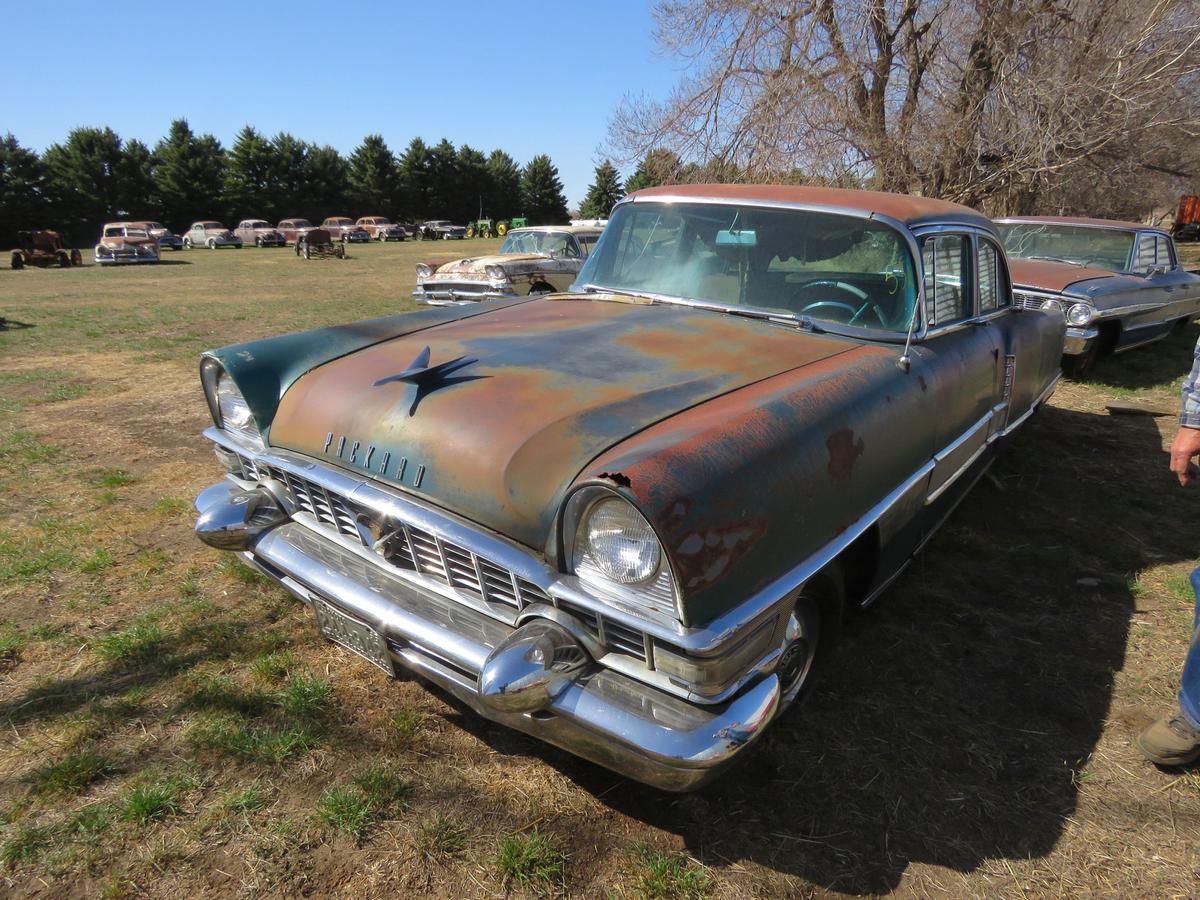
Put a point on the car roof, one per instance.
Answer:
(569, 229)
(910, 210)
(1081, 221)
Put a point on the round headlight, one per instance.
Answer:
(496, 273)
(1079, 314)
(235, 412)
(620, 541)
(424, 270)
(1052, 305)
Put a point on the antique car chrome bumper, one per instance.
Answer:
(502, 672)
(1079, 341)
(458, 297)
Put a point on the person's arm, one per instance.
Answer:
(1186, 446)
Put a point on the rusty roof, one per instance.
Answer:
(1081, 221)
(904, 207)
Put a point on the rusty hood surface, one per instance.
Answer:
(516, 402)
(1045, 275)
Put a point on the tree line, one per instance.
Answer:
(94, 176)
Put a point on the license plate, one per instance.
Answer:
(353, 635)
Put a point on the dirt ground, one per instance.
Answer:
(171, 725)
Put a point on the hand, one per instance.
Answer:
(1184, 449)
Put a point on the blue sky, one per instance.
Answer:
(524, 75)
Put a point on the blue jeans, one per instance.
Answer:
(1189, 681)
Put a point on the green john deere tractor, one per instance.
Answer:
(486, 228)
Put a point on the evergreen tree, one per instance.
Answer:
(84, 181)
(657, 167)
(372, 178)
(137, 194)
(328, 183)
(603, 193)
(542, 193)
(474, 182)
(23, 202)
(503, 200)
(291, 177)
(445, 197)
(189, 176)
(252, 182)
(413, 181)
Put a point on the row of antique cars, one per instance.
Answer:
(629, 517)
(134, 242)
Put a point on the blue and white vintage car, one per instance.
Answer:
(1118, 284)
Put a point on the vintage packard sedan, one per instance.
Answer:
(346, 230)
(382, 228)
(1119, 285)
(534, 260)
(628, 519)
(260, 233)
(291, 229)
(125, 242)
(212, 235)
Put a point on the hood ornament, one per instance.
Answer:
(429, 378)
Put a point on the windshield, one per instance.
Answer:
(379, 221)
(556, 242)
(155, 226)
(257, 224)
(212, 226)
(1101, 248)
(828, 267)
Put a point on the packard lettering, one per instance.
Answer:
(362, 456)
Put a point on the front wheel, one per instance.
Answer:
(76, 258)
(812, 629)
(307, 252)
(212, 244)
(258, 243)
(187, 243)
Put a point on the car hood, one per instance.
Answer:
(529, 394)
(1042, 274)
(511, 262)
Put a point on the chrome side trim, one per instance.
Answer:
(1033, 407)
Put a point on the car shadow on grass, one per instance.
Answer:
(958, 717)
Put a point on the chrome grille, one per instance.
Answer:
(1030, 300)
(414, 549)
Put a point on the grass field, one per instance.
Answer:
(171, 725)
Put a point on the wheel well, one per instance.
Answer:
(1110, 333)
(859, 564)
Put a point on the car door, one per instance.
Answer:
(957, 364)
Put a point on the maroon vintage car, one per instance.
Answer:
(293, 228)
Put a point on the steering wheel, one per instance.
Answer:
(857, 294)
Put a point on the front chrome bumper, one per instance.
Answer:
(596, 713)
(1079, 341)
(458, 298)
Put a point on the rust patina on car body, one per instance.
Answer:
(1118, 284)
(626, 520)
(125, 242)
(43, 248)
(293, 228)
(260, 233)
(535, 260)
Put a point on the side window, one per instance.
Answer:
(1162, 254)
(993, 286)
(1145, 259)
(572, 249)
(947, 294)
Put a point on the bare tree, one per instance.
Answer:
(992, 103)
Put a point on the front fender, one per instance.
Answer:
(744, 488)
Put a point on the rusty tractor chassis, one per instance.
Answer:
(627, 520)
(43, 248)
(318, 243)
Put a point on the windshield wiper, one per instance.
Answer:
(804, 323)
(1069, 262)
